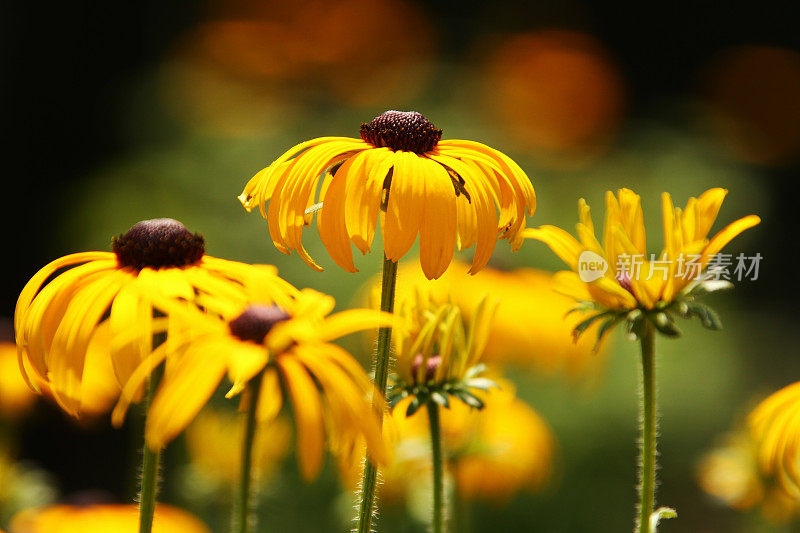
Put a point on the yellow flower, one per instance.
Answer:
(436, 355)
(775, 428)
(287, 341)
(16, 398)
(449, 192)
(102, 519)
(730, 473)
(493, 453)
(633, 280)
(530, 327)
(214, 442)
(104, 298)
(511, 448)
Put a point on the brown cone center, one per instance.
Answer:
(401, 130)
(158, 243)
(256, 321)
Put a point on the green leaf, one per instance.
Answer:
(662, 513)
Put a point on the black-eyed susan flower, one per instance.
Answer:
(105, 297)
(731, 474)
(267, 347)
(775, 428)
(438, 358)
(452, 193)
(104, 303)
(102, 519)
(615, 281)
(288, 345)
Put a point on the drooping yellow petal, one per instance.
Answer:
(331, 219)
(270, 399)
(363, 197)
(308, 415)
(183, 393)
(437, 232)
(245, 360)
(405, 207)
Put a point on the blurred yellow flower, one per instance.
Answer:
(775, 429)
(512, 448)
(102, 519)
(449, 192)
(16, 398)
(289, 342)
(624, 277)
(492, 453)
(214, 441)
(103, 299)
(530, 326)
(730, 473)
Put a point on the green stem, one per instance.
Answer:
(369, 479)
(647, 467)
(438, 468)
(150, 459)
(244, 520)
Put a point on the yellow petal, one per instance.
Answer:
(405, 207)
(437, 232)
(560, 242)
(184, 392)
(308, 415)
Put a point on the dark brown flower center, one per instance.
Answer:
(430, 369)
(158, 243)
(401, 130)
(256, 321)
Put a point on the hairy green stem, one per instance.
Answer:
(438, 468)
(647, 458)
(150, 458)
(244, 520)
(369, 478)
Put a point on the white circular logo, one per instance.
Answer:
(591, 266)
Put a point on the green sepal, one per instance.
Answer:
(414, 406)
(483, 384)
(708, 317)
(665, 324)
(441, 399)
(475, 371)
(468, 398)
(582, 326)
